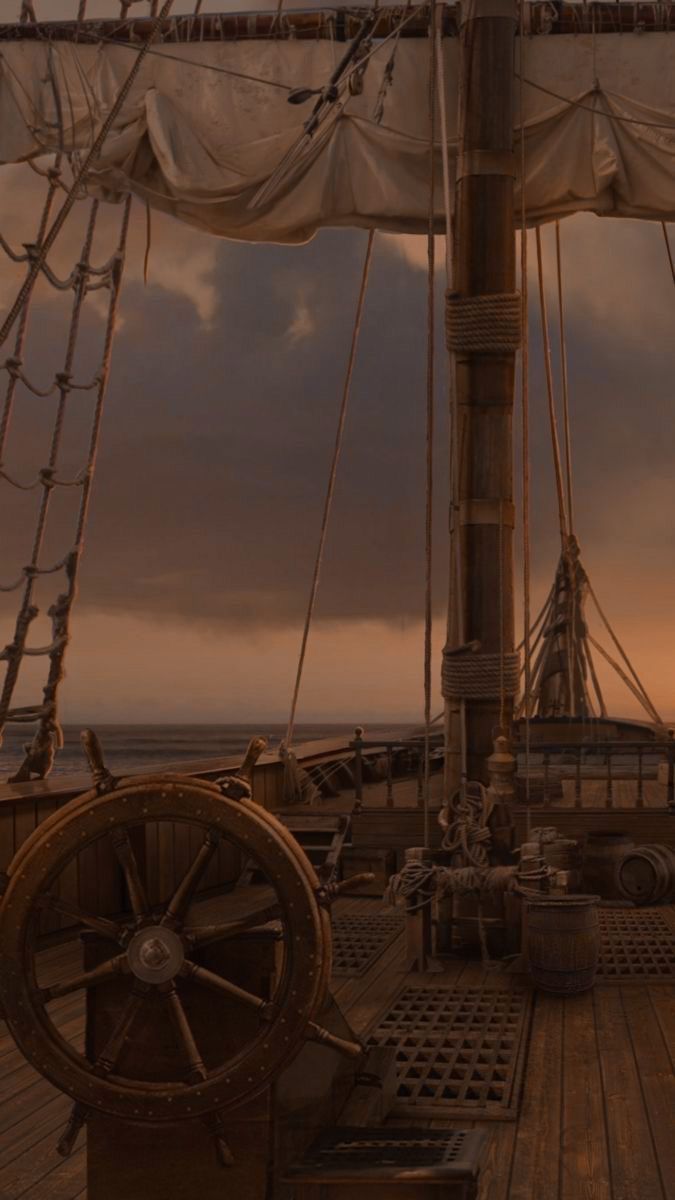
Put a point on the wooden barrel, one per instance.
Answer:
(646, 874)
(563, 943)
(602, 854)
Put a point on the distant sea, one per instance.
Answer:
(143, 747)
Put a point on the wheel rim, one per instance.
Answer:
(160, 947)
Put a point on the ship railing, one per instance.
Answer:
(403, 758)
(611, 763)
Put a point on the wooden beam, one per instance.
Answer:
(485, 265)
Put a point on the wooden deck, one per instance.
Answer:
(596, 1119)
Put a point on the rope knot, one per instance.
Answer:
(63, 379)
(46, 476)
(13, 366)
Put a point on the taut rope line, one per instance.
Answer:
(79, 177)
(525, 419)
(429, 497)
(555, 441)
(346, 391)
(669, 252)
(564, 381)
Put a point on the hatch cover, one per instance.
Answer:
(635, 944)
(458, 1050)
(360, 1154)
(358, 941)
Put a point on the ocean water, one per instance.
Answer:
(144, 747)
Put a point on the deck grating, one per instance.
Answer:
(371, 1154)
(358, 941)
(635, 945)
(459, 1051)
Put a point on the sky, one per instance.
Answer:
(219, 423)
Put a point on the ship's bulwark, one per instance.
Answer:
(200, 143)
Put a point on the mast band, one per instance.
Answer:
(488, 512)
(486, 162)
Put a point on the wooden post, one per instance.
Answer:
(485, 265)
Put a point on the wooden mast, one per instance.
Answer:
(484, 265)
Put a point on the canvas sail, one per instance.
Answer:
(198, 142)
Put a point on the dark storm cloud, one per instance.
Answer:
(218, 436)
(217, 443)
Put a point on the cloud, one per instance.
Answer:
(217, 436)
(302, 326)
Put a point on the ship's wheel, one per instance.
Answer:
(156, 950)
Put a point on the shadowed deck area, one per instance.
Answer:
(596, 1117)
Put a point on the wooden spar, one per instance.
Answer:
(340, 23)
(484, 264)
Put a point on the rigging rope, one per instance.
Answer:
(564, 380)
(599, 112)
(455, 627)
(555, 442)
(645, 698)
(428, 513)
(39, 754)
(525, 418)
(346, 392)
(669, 252)
(80, 176)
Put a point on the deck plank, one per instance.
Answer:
(635, 1171)
(535, 1168)
(585, 1170)
(656, 1079)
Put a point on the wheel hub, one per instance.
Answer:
(155, 954)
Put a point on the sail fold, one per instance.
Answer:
(207, 133)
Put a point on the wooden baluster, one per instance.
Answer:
(640, 782)
(610, 795)
(577, 780)
(390, 781)
(357, 746)
(420, 781)
(547, 760)
(671, 778)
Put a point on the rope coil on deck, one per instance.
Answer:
(475, 676)
(483, 324)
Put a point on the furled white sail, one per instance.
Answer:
(200, 143)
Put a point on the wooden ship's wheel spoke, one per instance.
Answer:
(108, 1057)
(101, 925)
(179, 1020)
(209, 979)
(198, 934)
(124, 850)
(182, 898)
(115, 966)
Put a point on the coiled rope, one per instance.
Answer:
(483, 324)
(472, 675)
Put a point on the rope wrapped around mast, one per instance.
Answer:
(483, 324)
(468, 674)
